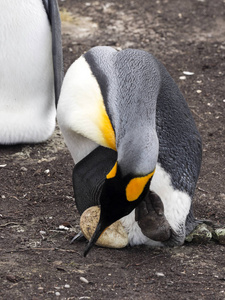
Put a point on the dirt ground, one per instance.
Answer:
(38, 216)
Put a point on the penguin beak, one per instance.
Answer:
(98, 231)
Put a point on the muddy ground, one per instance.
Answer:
(36, 258)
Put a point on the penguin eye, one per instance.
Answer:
(112, 173)
(136, 186)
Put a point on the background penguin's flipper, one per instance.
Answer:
(52, 10)
(89, 175)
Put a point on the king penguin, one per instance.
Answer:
(31, 69)
(135, 145)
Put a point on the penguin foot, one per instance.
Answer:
(151, 219)
(114, 236)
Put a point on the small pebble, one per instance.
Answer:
(47, 171)
(182, 77)
(188, 73)
(159, 274)
(84, 280)
(220, 235)
(23, 169)
(42, 232)
(199, 91)
(11, 278)
(201, 234)
(57, 293)
(67, 286)
(62, 227)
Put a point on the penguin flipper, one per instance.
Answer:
(151, 219)
(89, 175)
(52, 10)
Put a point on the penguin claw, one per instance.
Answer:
(151, 219)
(78, 237)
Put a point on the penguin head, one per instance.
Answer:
(120, 195)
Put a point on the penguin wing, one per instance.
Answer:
(52, 10)
(89, 176)
(180, 144)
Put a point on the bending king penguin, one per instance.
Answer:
(135, 145)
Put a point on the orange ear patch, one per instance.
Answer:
(112, 173)
(136, 186)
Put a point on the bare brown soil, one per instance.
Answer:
(37, 260)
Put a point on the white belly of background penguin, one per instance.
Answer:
(135, 145)
(31, 66)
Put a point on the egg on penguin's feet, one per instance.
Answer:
(149, 215)
(114, 236)
(31, 70)
(135, 145)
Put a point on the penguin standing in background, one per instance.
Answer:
(31, 69)
(135, 145)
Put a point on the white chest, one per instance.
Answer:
(25, 46)
(26, 73)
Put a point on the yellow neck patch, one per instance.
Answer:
(112, 173)
(136, 186)
(106, 128)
